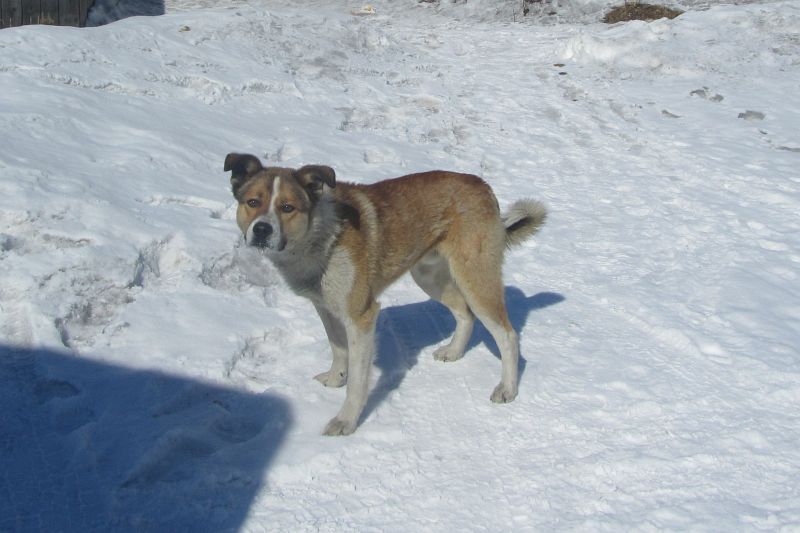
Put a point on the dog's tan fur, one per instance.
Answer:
(342, 244)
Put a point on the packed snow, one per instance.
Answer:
(156, 375)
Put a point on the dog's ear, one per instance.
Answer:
(314, 179)
(242, 166)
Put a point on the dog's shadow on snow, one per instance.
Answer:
(90, 446)
(404, 331)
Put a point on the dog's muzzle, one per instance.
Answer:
(262, 231)
(262, 235)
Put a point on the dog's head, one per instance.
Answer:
(275, 203)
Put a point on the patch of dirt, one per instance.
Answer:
(638, 11)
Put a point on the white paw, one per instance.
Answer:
(337, 427)
(332, 378)
(447, 354)
(503, 394)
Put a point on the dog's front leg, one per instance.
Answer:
(337, 337)
(361, 347)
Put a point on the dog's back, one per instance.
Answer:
(404, 218)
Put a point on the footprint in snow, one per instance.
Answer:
(164, 461)
(54, 388)
(752, 115)
(706, 94)
(63, 401)
(201, 424)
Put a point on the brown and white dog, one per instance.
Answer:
(341, 244)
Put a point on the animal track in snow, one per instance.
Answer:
(24, 234)
(169, 454)
(249, 360)
(234, 429)
(68, 415)
(91, 302)
(163, 259)
(9, 242)
(92, 295)
(54, 388)
(202, 422)
(752, 115)
(706, 94)
(37, 233)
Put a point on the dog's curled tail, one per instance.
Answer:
(522, 220)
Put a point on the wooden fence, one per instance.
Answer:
(55, 12)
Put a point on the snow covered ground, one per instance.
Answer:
(156, 376)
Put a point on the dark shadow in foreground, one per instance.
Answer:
(89, 446)
(405, 330)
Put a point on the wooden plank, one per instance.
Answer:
(61, 12)
(49, 12)
(16, 12)
(10, 13)
(84, 11)
(31, 9)
(69, 13)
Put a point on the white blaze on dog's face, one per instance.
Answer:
(275, 203)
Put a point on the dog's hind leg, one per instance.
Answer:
(361, 350)
(337, 337)
(508, 342)
(477, 270)
(432, 274)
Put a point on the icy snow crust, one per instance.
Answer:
(155, 375)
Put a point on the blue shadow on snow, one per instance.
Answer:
(405, 330)
(89, 446)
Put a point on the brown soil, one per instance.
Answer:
(637, 11)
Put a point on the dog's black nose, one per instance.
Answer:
(261, 233)
(262, 230)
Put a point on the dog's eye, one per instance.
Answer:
(254, 203)
(287, 208)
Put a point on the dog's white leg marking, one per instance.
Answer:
(337, 336)
(455, 349)
(432, 274)
(508, 342)
(361, 347)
